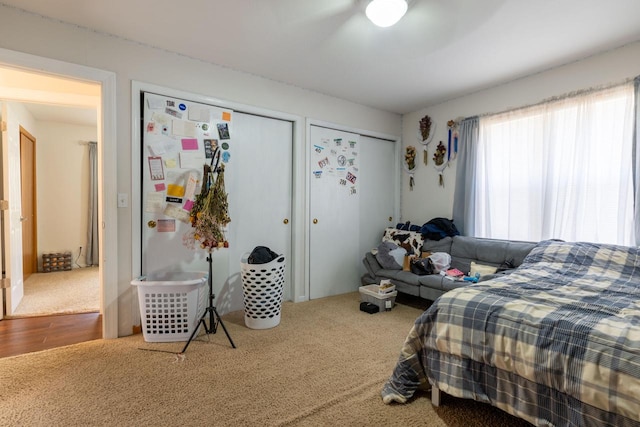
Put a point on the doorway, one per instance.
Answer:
(57, 277)
(105, 111)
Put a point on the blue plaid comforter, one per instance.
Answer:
(557, 342)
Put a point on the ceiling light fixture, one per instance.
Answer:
(385, 13)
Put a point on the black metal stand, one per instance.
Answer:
(211, 312)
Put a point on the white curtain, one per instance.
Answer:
(562, 169)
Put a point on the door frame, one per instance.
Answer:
(107, 171)
(298, 211)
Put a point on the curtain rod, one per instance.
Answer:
(561, 97)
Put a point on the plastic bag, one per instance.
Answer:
(441, 261)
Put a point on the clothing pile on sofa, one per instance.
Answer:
(403, 245)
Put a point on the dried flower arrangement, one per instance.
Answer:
(438, 155)
(439, 160)
(210, 213)
(410, 163)
(410, 157)
(425, 127)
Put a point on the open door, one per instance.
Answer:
(4, 206)
(12, 225)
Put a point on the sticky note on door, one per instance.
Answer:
(175, 190)
(189, 144)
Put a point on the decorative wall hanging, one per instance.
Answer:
(425, 135)
(440, 161)
(452, 125)
(410, 164)
(210, 212)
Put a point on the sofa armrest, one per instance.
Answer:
(371, 264)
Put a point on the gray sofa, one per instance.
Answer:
(504, 254)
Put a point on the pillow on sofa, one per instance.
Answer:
(411, 241)
(390, 256)
(482, 269)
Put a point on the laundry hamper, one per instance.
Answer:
(262, 286)
(171, 304)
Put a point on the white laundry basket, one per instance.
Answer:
(171, 304)
(262, 286)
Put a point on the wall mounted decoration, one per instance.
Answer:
(425, 135)
(440, 161)
(410, 164)
(452, 141)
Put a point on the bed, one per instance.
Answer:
(556, 342)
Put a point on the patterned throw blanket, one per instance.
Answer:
(557, 342)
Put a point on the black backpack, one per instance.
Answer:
(439, 228)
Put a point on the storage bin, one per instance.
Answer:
(369, 293)
(262, 287)
(56, 262)
(171, 304)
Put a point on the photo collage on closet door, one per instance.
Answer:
(336, 159)
(179, 138)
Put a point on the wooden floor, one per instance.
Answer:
(28, 334)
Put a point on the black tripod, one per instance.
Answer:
(214, 317)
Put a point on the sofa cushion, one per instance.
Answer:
(432, 281)
(481, 269)
(442, 245)
(493, 252)
(400, 276)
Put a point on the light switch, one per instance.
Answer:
(123, 200)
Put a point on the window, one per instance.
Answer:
(558, 170)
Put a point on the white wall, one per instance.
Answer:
(30, 33)
(62, 174)
(429, 200)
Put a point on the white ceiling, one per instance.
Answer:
(440, 50)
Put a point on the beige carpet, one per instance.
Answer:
(60, 292)
(325, 364)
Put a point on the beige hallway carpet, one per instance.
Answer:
(60, 292)
(324, 365)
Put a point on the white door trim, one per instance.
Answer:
(106, 169)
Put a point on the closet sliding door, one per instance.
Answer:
(260, 192)
(352, 197)
(379, 186)
(334, 211)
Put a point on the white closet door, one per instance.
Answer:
(378, 189)
(260, 193)
(173, 156)
(258, 173)
(334, 212)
